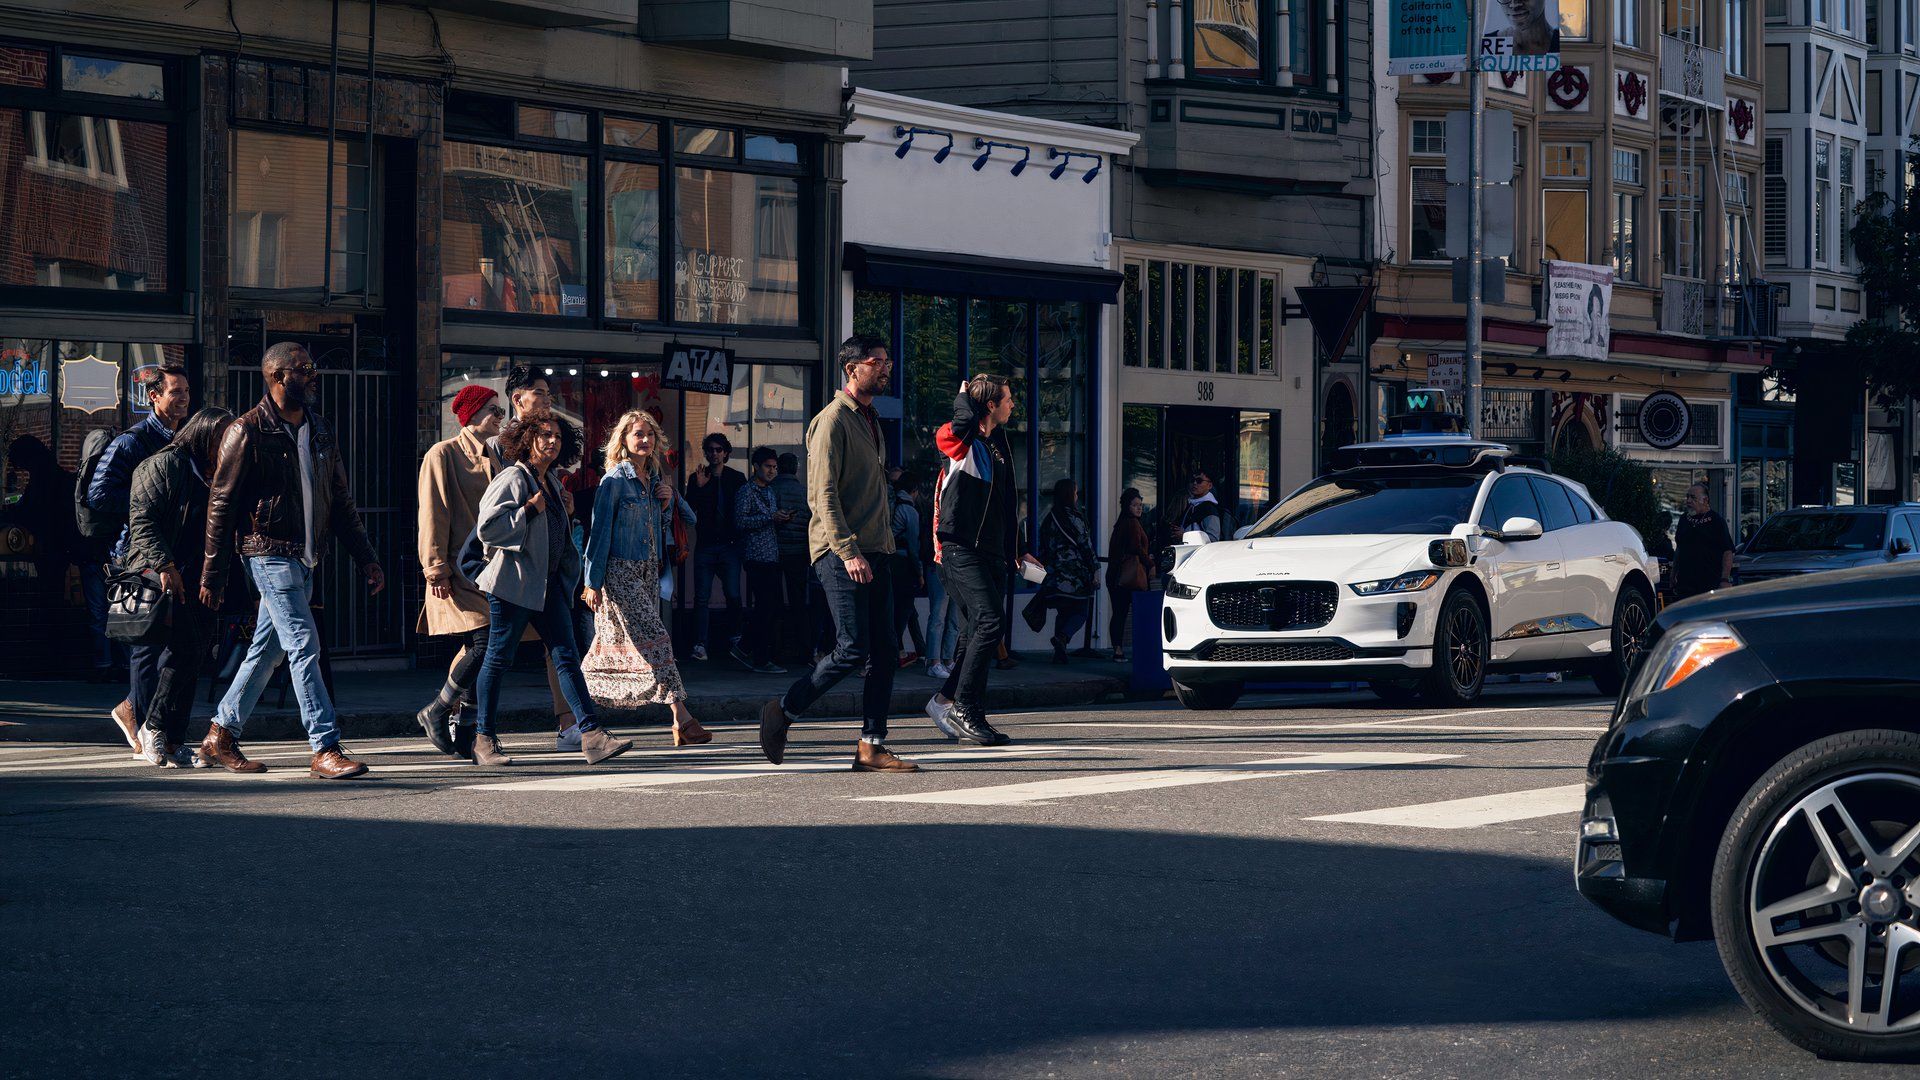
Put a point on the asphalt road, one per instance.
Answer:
(1125, 891)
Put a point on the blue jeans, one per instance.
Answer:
(708, 560)
(506, 621)
(283, 630)
(943, 618)
(863, 625)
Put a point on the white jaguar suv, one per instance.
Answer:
(1419, 565)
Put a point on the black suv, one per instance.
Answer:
(1813, 540)
(1760, 785)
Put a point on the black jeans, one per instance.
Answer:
(906, 616)
(764, 598)
(178, 662)
(465, 670)
(797, 632)
(863, 630)
(978, 583)
(1122, 598)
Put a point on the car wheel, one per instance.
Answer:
(1816, 896)
(1460, 649)
(1395, 691)
(1632, 618)
(1207, 697)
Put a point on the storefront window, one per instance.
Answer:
(278, 225)
(515, 231)
(1061, 407)
(633, 240)
(737, 248)
(460, 370)
(929, 365)
(86, 202)
(1257, 433)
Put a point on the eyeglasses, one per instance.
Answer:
(877, 362)
(305, 371)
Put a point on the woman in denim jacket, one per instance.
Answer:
(631, 661)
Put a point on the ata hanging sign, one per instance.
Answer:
(90, 384)
(700, 368)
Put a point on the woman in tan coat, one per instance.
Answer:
(453, 477)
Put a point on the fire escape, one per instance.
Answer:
(1703, 293)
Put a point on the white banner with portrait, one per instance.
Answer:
(1579, 309)
(1522, 35)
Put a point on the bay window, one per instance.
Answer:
(1271, 42)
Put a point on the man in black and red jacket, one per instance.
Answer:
(975, 548)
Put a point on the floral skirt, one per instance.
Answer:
(631, 661)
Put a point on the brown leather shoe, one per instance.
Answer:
(598, 745)
(874, 757)
(486, 751)
(221, 748)
(122, 715)
(334, 764)
(773, 731)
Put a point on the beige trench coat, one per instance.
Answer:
(453, 477)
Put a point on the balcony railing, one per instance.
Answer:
(1745, 310)
(1693, 72)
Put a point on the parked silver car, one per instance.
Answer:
(1809, 540)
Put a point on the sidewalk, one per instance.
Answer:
(375, 704)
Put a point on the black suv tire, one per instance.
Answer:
(1760, 824)
(1208, 697)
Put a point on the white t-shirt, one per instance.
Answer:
(303, 440)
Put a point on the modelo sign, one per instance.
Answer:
(1664, 420)
(700, 368)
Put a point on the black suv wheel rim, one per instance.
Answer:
(1833, 907)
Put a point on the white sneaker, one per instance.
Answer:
(153, 747)
(938, 670)
(937, 708)
(568, 739)
(699, 652)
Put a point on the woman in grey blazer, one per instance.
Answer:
(532, 570)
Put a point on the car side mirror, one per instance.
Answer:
(1241, 532)
(1521, 528)
(1195, 536)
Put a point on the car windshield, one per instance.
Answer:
(1819, 532)
(1356, 504)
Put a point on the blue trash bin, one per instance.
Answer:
(1147, 676)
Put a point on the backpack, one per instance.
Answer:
(93, 524)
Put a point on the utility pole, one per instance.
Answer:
(1476, 138)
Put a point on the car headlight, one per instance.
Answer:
(1412, 581)
(1681, 655)
(1181, 592)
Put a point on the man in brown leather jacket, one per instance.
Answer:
(278, 495)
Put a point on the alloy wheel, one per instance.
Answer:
(1833, 903)
(1463, 646)
(1634, 621)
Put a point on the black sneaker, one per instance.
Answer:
(1000, 738)
(734, 654)
(767, 669)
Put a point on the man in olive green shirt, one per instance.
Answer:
(851, 541)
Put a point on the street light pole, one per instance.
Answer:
(1476, 140)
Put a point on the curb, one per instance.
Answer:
(277, 725)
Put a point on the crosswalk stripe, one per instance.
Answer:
(1474, 812)
(700, 774)
(1040, 791)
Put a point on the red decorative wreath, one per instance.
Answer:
(1438, 77)
(1741, 113)
(1567, 87)
(1633, 92)
(1510, 79)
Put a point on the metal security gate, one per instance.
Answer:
(358, 396)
